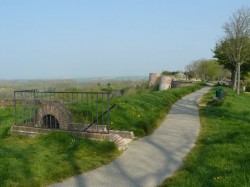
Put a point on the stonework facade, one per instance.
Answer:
(163, 80)
(57, 110)
(154, 78)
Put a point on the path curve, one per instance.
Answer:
(148, 161)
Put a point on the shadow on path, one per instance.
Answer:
(148, 161)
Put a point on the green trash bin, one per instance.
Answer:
(218, 92)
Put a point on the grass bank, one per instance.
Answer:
(221, 156)
(141, 113)
(38, 161)
(45, 159)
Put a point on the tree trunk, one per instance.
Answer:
(235, 79)
(232, 79)
(238, 77)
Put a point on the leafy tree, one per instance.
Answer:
(223, 60)
(235, 45)
(167, 73)
(229, 64)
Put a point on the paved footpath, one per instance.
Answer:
(148, 161)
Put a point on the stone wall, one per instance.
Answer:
(180, 84)
(165, 82)
(118, 137)
(154, 78)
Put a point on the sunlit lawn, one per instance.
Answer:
(26, 161)
(222, 154)
(45, 159)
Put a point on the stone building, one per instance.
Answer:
(164, 81)
(154, 78)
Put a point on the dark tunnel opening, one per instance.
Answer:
(49, 121)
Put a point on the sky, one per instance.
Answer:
(57, 39)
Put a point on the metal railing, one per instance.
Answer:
(81, 111)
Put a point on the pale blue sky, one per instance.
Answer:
(90, 38)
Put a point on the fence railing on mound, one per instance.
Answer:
(73, 111)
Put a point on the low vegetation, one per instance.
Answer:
(44, 159)
(130, 84)
(221, 156)
(38, 161)
(141, 113)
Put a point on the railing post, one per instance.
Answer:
(22, 109)
(108, 112)
(34, 92)
(15, 107)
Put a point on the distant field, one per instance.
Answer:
(93, 84)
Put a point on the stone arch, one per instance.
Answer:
(53, 115)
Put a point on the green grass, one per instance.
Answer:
(44, 159)
(221, 156)
(141, 113)
(26, 161)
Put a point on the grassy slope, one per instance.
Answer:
(26, 161)
(141, 113)
(222, 154)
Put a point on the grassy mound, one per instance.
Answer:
(45, 159)
(38, 161)
(141, 113)
(222, 154)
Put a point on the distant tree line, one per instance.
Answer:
(206, 70)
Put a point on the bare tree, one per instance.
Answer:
(204, 69)
(192, 69)
(236, 42)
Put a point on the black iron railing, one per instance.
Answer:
(65, 110)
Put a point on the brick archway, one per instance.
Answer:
(57, 111)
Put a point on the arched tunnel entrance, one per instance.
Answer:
(53, 115)
(49, 121)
